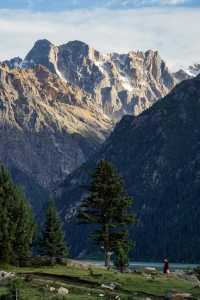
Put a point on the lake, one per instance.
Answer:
(157, 265)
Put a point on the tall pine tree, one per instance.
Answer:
(16, 222)
(52, 241)
(107, 206)
(25, 229)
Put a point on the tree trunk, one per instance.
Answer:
(121, 269)
(106, 246)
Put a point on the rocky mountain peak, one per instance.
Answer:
(41, 47)
(193, 70)
(14, 62)
(190, 72)
(77, 48)
(118, 83)
(43, 53)
(181, 75)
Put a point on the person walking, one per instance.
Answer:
(166, 266)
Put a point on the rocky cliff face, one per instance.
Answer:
(47, 126)
(119, 83)
(157, 153)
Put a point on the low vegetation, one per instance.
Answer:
(89, 282)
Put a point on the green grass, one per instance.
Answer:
(3, 291)
(129, 284)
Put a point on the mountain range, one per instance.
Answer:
(59, 103)
(64, 108)
(119, 83)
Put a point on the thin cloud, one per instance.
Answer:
(173, 32)
(166, 2)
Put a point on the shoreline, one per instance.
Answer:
(138, 265)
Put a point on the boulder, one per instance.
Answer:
(189, 276)
(150, 270)
(6, 275)
(178, 296)
(110, 286)
(63, 291)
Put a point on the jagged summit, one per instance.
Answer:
(190, 72)
(43, 53)
(40, 49)
(118, 83)
(42, 43)
(193, 70)
(14, 62)
(75, 44)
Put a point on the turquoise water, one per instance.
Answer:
(157, 265)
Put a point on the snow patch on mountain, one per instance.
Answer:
(193, 70)
(126, 84)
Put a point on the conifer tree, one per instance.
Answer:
(107, 207)
(16, 222)
(25, 229)
(52, 241)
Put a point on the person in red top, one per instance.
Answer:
(166, 266)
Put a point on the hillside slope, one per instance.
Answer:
(157, 153)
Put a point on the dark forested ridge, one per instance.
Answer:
(158, 154)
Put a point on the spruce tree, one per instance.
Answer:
(107, 207)
(16, 222)
(52, 241)
(25, 230)
(7, 226)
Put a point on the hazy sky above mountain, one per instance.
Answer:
(170, 26)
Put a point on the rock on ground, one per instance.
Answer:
(63, 291)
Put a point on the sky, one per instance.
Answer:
(57, 5)
(170, 26)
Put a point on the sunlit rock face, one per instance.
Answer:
(47, 126)
(119, 83)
